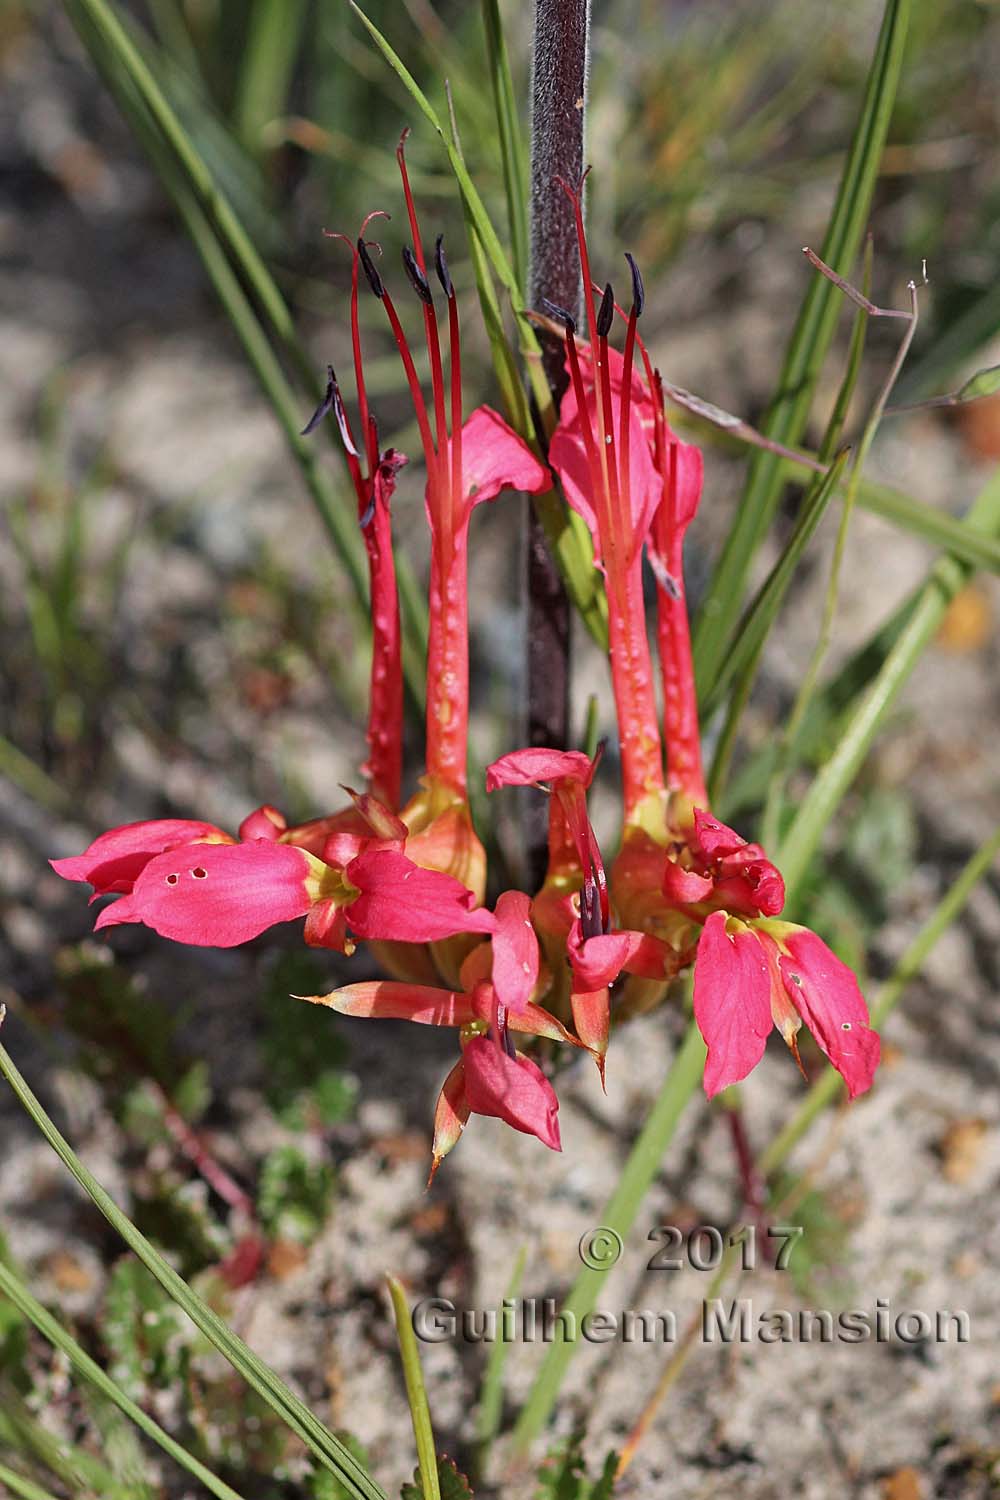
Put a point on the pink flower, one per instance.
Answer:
(511, 1088)
(115, 859)
(498, 979)
(750, 976)
(222, 893)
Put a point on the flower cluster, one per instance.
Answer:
(409, 878)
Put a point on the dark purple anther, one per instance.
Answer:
(324, 406)
(560, 314)
(606, 312)
(638, 290)
(441, 266)
(417, 278)
(374, 279)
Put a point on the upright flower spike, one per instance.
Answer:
(603, 457)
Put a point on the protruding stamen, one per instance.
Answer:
(606, 312)
(560, 313)
(340, 412)
(638, 290)
(417, 278)
(324, 406)
(374, 279)
(441, 266)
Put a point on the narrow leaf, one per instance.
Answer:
(11, 1286)
(416, 1393)
(318, 1438)
(807, 349)
(829, 787)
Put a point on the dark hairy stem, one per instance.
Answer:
(558, 87)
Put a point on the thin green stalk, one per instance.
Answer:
(273, 36)
(763, 610)
(774, 805)
(327, 1448)
(515, 177)
(825, 1089)
(23, 772)
(830, 785)
(490, 1411)
(931, 525)
(25, 1489)
(13, 1288)
(807, 350)
(618, 1214)
(416, 1393)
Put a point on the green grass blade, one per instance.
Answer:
(826, 1088)
(931, 525)
(13, 1288)
(490, 1412)
(807, 349)
(120, 54)
(829, 787)
(416, 1392)
(328, 1449)
(619, 1214)
(763, 611)
(25, 1489)
(274, 35)
(515, 167)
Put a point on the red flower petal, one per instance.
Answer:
(515, 951)
(732, 1001)
(116, 858)
(825, 992)
(592, 1019)
(386, 999)
(525, 767)
(598, 961)
(513, 1089)
(568, 456)
(217, 895)
(494, 458)
(403, 902)
(450, 1116)
(263, 823)
(684, 887)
